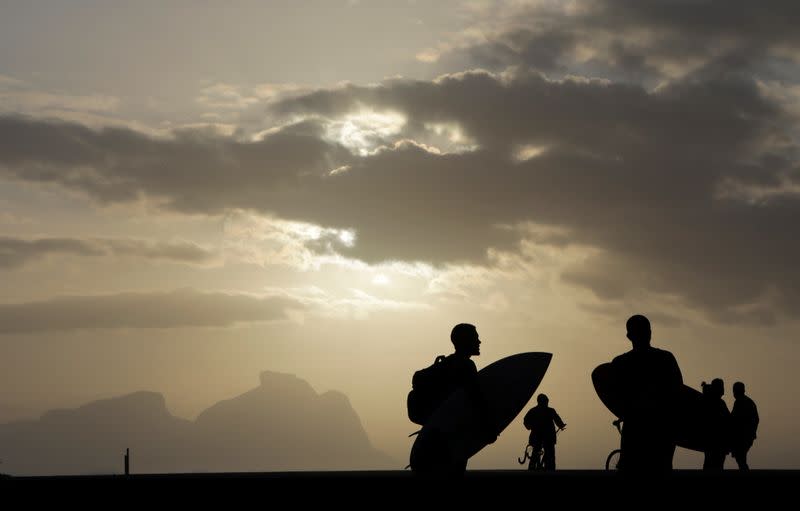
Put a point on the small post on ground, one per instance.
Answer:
(127, 462)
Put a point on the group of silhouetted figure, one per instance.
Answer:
(651, 382)
(728, 431)
(647, 379)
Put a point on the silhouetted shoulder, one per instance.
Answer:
(650, 352)
(653, 364)
(462, 365)
(663, 353)
(621, 359)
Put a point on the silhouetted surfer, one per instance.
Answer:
(431, 454)
(649, 380)
(715, 425)
(542, 421)
(744, 423)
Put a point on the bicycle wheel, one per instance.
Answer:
(536, 461)
(613, 459)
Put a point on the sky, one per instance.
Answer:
(192, 193)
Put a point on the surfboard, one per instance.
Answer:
(507, 385)
(689, 409)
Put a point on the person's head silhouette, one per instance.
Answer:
(465, 339)
(542, 399)
(719, 387)
(638, 328)
(714, 389)
(738, 389)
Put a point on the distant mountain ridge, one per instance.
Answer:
(282, 424)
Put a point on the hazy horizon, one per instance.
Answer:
(192, 195)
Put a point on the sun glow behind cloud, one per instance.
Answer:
(364, 131)
(528, 152)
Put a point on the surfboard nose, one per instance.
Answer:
(531, 362)
(522, 370)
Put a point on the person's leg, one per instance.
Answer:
(739, 456)
(532, 462)
(721, 455)
(659, 452)
(666, 451)
(630, 447)
(707, 460)
(714, 460)
(537, 447)
(458, 468)
(429, 454)
(549, 456)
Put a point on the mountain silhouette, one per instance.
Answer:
(285, 424)
(282, 424)
(92, 438)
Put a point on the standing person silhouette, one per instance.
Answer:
(744, 423)
(649, 380)
(432, 456)
(542, 421)
(716, 422)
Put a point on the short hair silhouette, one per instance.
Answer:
(542, 399)
(638, 328)
(462, 332)
(738, 388)
(715, 388)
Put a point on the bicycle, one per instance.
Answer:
(612, 461)
(536, 456)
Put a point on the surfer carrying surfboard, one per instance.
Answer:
(459, 373)
(648, 383)
(464, 374)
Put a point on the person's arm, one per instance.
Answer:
(755, 419)
(673, 384)
(558, 420)
(675, 377)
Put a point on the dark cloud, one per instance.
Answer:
(542, 49)
(194, 171)
(632, 172)
(635, 173)
(15, 252)
(182, 308)
(636, 38)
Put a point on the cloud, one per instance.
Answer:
(174, 309)
(651, 177)
(19, 96)
(227, 96)
(354, 304)
(632, 39)
(194, 171)
(15, 252)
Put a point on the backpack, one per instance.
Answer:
(429, 387)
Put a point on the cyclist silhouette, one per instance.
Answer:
(542, 421)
